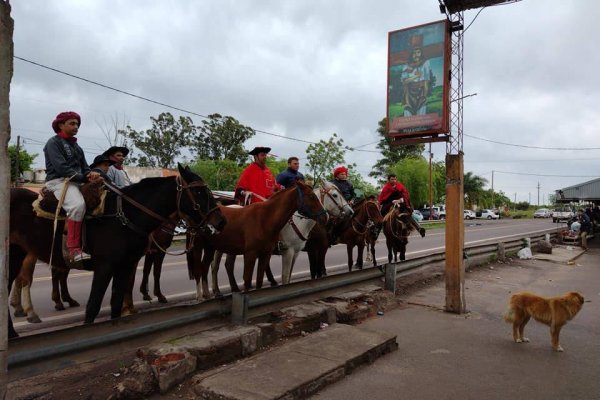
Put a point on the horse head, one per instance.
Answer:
(196, 203)
(333, 200)
(309, 204)
(373, 213)
(402, 213)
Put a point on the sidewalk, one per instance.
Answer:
(472, 356)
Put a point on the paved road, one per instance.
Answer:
(176, 286)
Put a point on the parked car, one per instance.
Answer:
(542, 213)
(469, 214)
(417, 216)
(489, 214)
(427, 216)
(562, 214)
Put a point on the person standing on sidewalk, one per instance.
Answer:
(67, 170)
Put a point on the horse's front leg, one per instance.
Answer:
(63, 275)
(215, 265)
(202, 291)
(349, 248)
(127, 302)
(359, 258)
(403, 244)
(287, 263)
(100, 281)
(58, 304)
(229, 266)
(158, 263)
(263, 265)
(148, 261)
(270, 276)
(122, 288)
(15, 300)
(249, 261)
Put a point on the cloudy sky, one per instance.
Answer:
(304, 69)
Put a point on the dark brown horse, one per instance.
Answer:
(359, 230)
(398, 223)
(119, 238)
(252, 231)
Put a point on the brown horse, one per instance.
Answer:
(118, 239)
(252, 231)
(398, 223)
(359, 230)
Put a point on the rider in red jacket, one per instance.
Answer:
(392, 190)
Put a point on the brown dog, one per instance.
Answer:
(552, 311)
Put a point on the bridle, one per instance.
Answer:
(303, 208)
(323, 191)
(183, 186)
(369, 223)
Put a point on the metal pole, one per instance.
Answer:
(430, 185)
(6, 73)
(17, 159)
(493, 205)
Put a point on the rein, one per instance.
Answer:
(327, 192)
(366, 225)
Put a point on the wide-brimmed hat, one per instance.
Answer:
(115, 149)
(64, 117)
(100, 159)
(259, 149)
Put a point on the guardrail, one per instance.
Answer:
(239, 304)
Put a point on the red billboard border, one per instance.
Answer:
(430, 135)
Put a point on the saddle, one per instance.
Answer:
(94, 195)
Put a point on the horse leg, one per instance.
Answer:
(148, 261)
(158, 262)
(371, 247)
(62, 276)
(403, 250)
(15, 299)
(15, 261)
(389, 246)
(102, 277)
(214, 269)
(270, 276)
(359, 258)
(58, 304)
(263, 265)
(349, 249)
(202, 286)
(249, 260)
(127, 306)
(287, 263)
(321, 261)
(229, 266)
(122, 287)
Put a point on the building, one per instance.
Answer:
(587, 192)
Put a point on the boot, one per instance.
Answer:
(74, 241)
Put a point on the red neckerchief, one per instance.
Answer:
(118, 165)
(67, 137)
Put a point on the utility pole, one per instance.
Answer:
(529, 198)
(538, 188)
(515, 203)
(493, 205)
(430, 185)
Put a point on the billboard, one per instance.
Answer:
(419, 82)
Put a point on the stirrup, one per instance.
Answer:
(422, 232)
(78, 255)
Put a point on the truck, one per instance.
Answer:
(562, 213)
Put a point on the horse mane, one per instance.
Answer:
(146, 182)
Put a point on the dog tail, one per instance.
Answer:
(509, 316)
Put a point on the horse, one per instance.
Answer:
(159, 242)
(252, 231)
(293, 236)
(357, 231)
(398, 223)
(117, 239)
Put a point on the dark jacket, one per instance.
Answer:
(103, 175)
(65, 159)
(289, 177)
(346, 188)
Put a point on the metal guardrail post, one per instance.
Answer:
(501, 252)
(239, 308)
(390, 277)
(547, 237)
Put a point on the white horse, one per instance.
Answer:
(293, 236)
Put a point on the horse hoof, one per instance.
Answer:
(59, 307)
(19, 313)
(218, 294)
(422, 232)
(380, 267)
(162, 299)
(74, 303)
(147, 297)
(34, 319)
(274, 284)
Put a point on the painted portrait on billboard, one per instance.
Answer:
(418, 80)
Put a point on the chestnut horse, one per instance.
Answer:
(358, 230)
(252, 231)
(116, 240)
(398, 223)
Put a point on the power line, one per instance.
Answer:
(164, 104)
(547, 175)
(532, 147)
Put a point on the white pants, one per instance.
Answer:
(74, 204)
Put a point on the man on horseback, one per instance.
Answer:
(66, 170)
(392, 190)
(289, 177)
(101, 165)
(257, 182)
(116, 173)
(340, 179)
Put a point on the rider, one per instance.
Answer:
(256, 181)
(65, 161)
(340, 179)
(116, 173)
(101, 165)
(392, 190)
(289, 177)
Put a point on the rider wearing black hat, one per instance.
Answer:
(101, 165)
(116, 173)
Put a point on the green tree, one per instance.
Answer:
(221, 138)
(25, 161)
(324, 156)
(276, 165)
(473, 188)
(162, 143)
(218, 174)
(414, 174)
(392, 153)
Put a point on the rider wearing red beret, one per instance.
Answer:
(340, 179)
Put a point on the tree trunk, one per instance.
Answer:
(6, 73)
